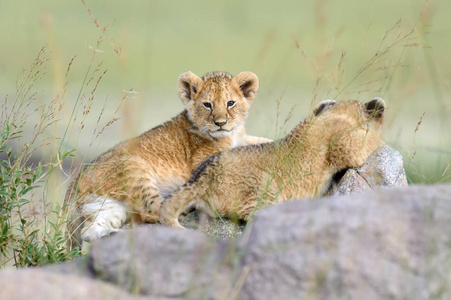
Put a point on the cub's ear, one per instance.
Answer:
(189, 83)
(323, 105)
(248, 84)
(375, 108)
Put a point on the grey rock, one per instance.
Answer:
(384, 167)
(379, 244)
(159, 261)
(40, 284)
(385, 244)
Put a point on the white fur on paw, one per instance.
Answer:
(106, 215)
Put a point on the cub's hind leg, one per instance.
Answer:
(105, 215)
(133, 195)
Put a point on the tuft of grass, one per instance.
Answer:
(21, 239)
(35, 232)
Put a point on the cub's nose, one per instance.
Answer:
(220, 123)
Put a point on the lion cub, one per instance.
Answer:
(234, 183)
(131, 179)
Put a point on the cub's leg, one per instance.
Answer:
(191, 194)
(194, 193)
(140, 191)
(179, 201)
(132, 195)
(105, 215)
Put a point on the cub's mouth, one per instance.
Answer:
(221, 132)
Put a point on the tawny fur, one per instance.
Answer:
(140, 172)
(234, 183)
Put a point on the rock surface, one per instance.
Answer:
(387, 244)
(384, 167)
(38, 284)
(379, 244)
(159, 261)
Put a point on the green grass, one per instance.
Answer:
(125, 57)
(33, 217)
(28, 238)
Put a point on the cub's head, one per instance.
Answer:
(217, 103)
(353, 129)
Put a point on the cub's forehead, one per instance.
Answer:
(349, 105)
(218, 85)
(351, 109)
(217, 77)
(342, 109)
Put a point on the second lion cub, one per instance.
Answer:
(234, 183)
(131, 179)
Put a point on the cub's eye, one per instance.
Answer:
(207, 105)
(230, 104)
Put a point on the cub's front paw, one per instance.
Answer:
(170, 221)
(151, 213)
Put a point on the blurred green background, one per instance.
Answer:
(302, 51)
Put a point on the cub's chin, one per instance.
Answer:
(220, 133)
